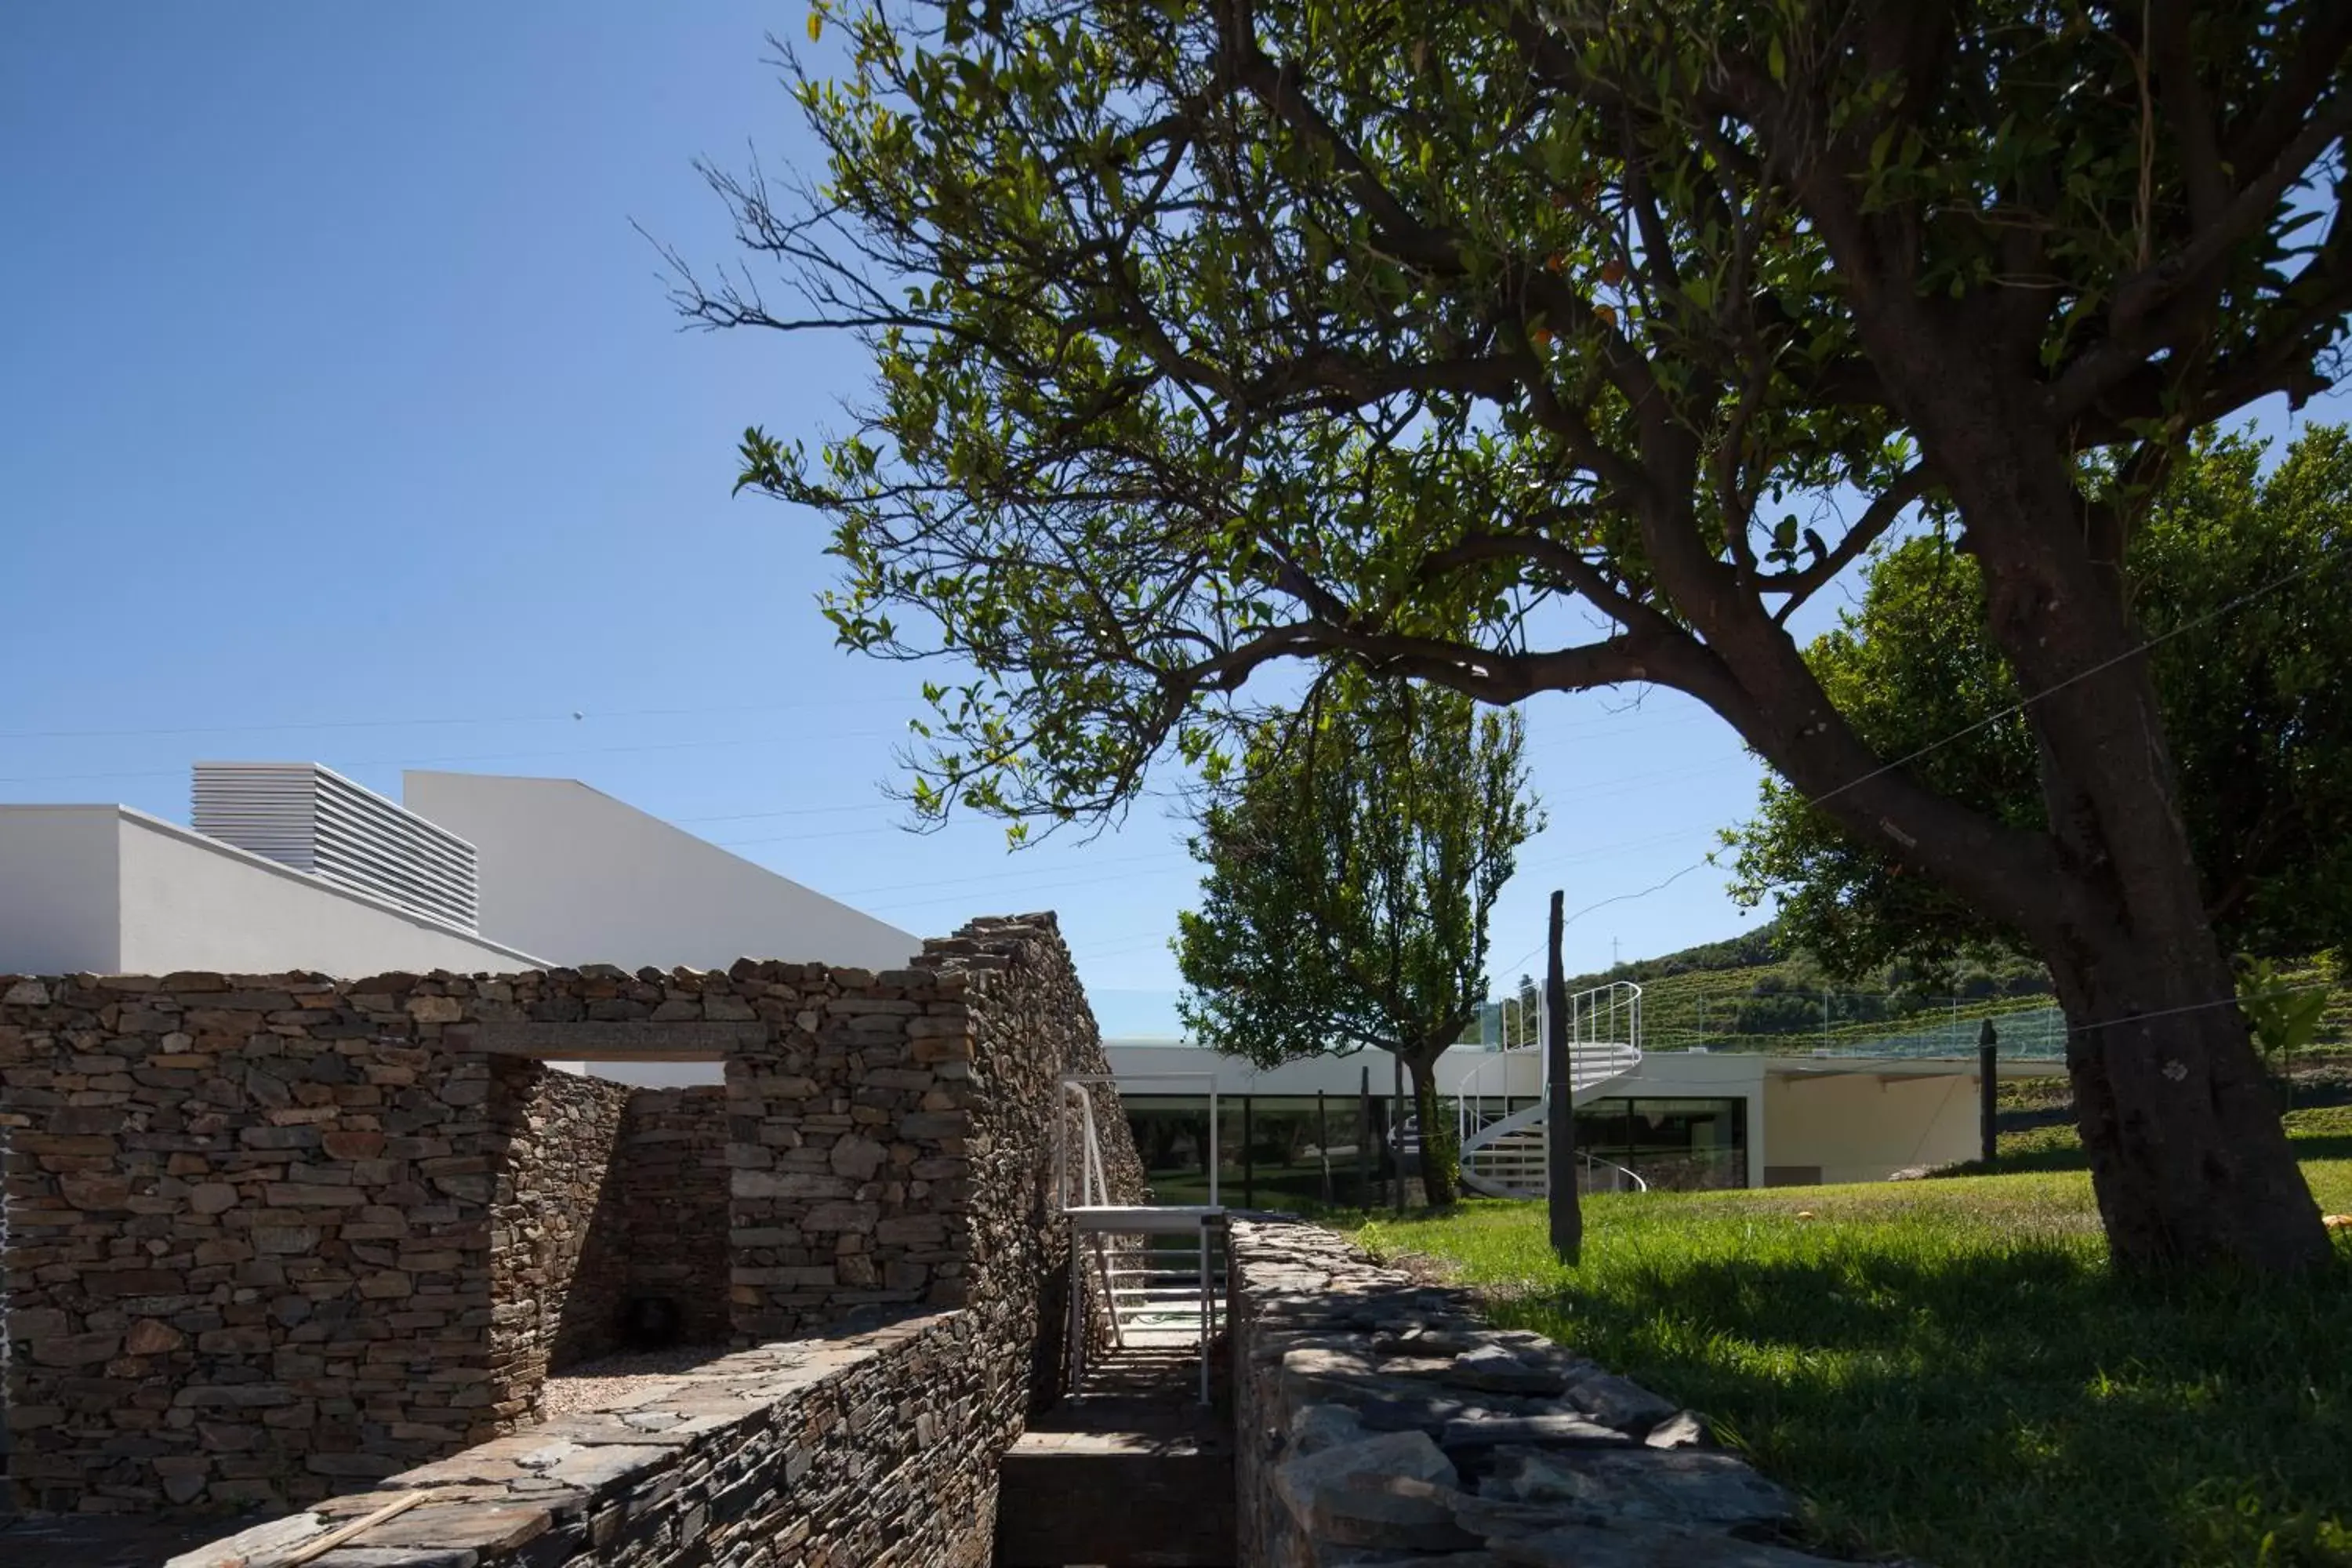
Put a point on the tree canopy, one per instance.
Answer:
(1516, 348)
(1351, 861)
(2251, 677)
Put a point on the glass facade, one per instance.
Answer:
(1273, 1150)
(1675, 1144)
(1305, 1151)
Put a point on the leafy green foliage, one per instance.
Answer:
(1515, 349)
(2285, 1016)
(1950, 1371)
(1207, 338)
(1351, 861)
(2244, 581)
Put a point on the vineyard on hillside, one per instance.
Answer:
(1745, 993)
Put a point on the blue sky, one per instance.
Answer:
(345, 419)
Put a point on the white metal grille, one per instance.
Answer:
(315, 820)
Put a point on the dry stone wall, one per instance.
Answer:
(1378, 1419)
(831, 1453)
(558, 1261)
(246, 1259)
(275, 1236)
(1030, 1025)
(672, 1231)
(603, 1195)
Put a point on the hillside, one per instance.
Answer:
(1747, 993)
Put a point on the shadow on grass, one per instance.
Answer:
(2003, 1407)
(2052, 1148)
(2323, 1146)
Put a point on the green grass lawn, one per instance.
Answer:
(1947, 1370)
(2050, 1143)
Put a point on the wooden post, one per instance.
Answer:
(1396, 1124)
(1560, 1120)
(1364, 1136)
(1323, 1144)
(1988, 1086)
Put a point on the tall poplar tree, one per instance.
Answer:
(1351, 861)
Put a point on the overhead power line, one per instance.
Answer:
(486, 756)
(2229, 607)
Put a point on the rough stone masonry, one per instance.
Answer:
(846, 1451)
(272, 1238)
(1377, 1420)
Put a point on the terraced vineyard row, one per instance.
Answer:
(1743, 996)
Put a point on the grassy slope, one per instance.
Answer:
(1947, 1369)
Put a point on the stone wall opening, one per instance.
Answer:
(608, 1222)
(277, 1237)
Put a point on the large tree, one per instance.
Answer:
(1521, 348)
(1352, 856)
(2243, 580)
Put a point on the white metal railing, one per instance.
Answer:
(1605, 1042)
(1505, 1172)
(1172, 1282)
(1622, 1178)
(1062, 1150)
(1094, 1188)
(1152, 1268)
(1505, 1150)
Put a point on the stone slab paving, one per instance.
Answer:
(1382, 1421)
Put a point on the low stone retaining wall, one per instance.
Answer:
(862, 1449)
(1380, 1420)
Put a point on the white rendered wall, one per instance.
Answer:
(1171, 1068)
(103, 890)
(1864, 1127)
(58, 890)
(191, 903)
(580, 878)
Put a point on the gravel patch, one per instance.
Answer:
(614, 1382)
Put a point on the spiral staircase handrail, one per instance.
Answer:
(1604, 1044)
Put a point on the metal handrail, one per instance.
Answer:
(1604, 1041)
(1131, 1304)
(1640, 1183)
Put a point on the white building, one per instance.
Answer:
(1683, 1118)
(292, 867)
(572, 874)
(104, 889)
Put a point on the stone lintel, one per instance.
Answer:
(609, 1042)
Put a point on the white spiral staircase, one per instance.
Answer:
(1507, 1154)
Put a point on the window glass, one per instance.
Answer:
(1672, 1143)
(1273, 1150)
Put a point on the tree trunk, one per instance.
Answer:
(2188, 1159)
(1439, 1158)
(2189, 1162)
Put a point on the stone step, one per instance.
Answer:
(1128, 1471)
(1120, 1500)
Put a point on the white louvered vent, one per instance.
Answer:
(316, 820)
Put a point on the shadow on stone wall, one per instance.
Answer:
(654, 1260)
(555, 1289)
